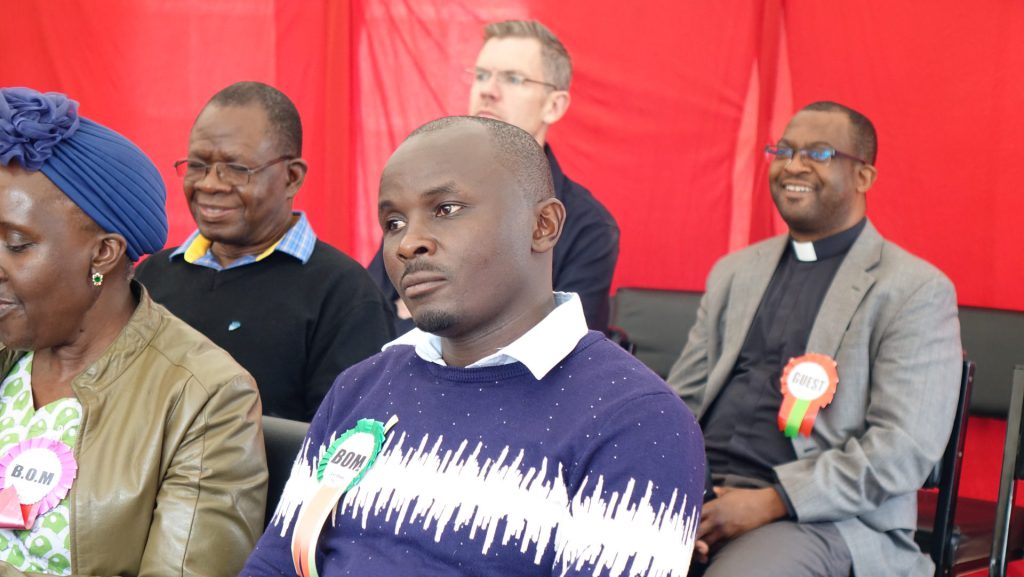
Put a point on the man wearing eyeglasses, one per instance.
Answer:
(294, 311)
(522, 76)
(824, 369)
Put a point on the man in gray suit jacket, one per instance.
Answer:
(835, 305)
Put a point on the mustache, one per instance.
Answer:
(421, 266)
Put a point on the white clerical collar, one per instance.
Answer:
(540, 348)
(828, 247)
(804, 251)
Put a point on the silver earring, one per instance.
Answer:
(97, 279)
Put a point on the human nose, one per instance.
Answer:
(211, 181)
(797, 162)
(416, 241)
(491, 87)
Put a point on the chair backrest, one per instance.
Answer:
(656, 322)
(946, 477)
(993, 338)
(283, 439)
(1013, 470)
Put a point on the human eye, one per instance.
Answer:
(513, 78)
(447, 209)
(481, 75)
(392, 224)
(781, 151)
(196, 166)
(17, 243)
(820, 153)
(239, 170)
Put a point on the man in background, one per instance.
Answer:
(818, 476)
(254, 278)
(522, 76)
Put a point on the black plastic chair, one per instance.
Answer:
(283, 439)
(937, 532)
(1004, 546)
(653, 324)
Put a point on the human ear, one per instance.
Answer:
(297, 169)
(549, 218)
(109, 251)
(556, 106)
(866, 177)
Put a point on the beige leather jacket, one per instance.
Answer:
(172, 474)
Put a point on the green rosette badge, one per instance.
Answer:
(341, 468)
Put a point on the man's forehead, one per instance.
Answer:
(510, 53)
(448, 145)
(463, 155)
(246, 118)
(813, 126)
(241, 126)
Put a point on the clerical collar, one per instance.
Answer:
(827, 247)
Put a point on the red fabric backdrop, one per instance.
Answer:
(672, 102)
(146, 67)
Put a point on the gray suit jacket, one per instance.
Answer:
(889, 319)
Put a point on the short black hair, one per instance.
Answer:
(864, 136)
(516, 150)
(282, 116)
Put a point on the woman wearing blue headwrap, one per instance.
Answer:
(129, 443)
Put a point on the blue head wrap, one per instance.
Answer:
(102, 172)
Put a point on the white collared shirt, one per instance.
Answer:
(540, 348)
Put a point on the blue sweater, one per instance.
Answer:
(492, 472)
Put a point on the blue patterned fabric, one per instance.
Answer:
(298, 242)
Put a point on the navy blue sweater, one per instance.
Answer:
(492, 472)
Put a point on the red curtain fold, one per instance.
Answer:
(672, 102)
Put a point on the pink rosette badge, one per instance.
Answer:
(41, 471)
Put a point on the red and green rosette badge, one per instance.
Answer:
(808, 385)
(35, 475)
(342, 466)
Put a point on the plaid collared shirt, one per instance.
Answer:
(298, 242)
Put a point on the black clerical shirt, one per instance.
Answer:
(741, 432)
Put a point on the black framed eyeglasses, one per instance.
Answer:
(230, 173)
(821, 155)
(505, 77)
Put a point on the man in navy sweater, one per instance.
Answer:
(522, 77)
(516, 442)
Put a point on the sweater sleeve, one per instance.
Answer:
(637, 506)
(353, 325)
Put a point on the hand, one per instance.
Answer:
(700, 552)
(735, 512)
